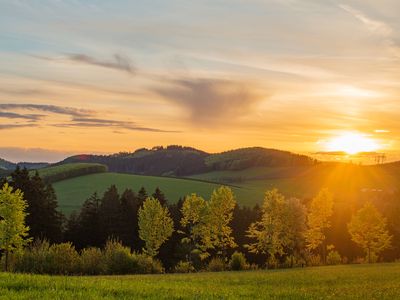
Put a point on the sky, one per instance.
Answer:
(109, 76)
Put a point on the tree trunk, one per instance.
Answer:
(6, 261)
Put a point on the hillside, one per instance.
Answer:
(183, 161)
(71, 193)
(7, 165)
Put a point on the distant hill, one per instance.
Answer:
(10, 166)
(183, 161)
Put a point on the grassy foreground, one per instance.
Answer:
(379, 281)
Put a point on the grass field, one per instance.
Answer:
(71, 193)
(347, 182)
(379, 281)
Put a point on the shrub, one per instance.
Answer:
(238, 262)
(147, 265)
(118, 259)
(314, 260)
(216, 264)
(34, 259)
(63, 259)
(92, 262)
(184, 267)
(333, 258)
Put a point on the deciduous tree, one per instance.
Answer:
(155, 225)
(13, 231)
(318, 221)
(368, 229)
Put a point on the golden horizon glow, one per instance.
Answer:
(352, 143)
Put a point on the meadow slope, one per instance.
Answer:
(71, 193)
(376, 281)
(347, 182)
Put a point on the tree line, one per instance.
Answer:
(192, 234)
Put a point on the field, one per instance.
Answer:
(347, 182)
(379, 281)
(71, 193)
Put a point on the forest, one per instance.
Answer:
(127, 232)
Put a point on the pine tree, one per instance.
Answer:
(159, 195)
(43, 219)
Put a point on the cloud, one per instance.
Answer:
(49, 108)
(95, 122)
(17, 154)
(210, 101)
(13, 126)
(79, 118)
(376, 27)
(11, 115)
(118, 62)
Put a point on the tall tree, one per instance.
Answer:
(155, 225)
(368, 229)
(43, 219)
(194, 210)
(13, 231)
(159, 195)
(110, 209)
(318, 221)
(142, 195)
(219, 216)
(129, 219)
(272, 233)
(296, 227)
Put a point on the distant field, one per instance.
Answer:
(71, 193)
(379, 281)
(346, 182)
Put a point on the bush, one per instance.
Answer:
(238, 262)
(63, 259)
(216, 264)
(34, 259)
(147, 265)
(92, 262)
(314, 260)
(118, 259)
(184, 267)
(333, 258)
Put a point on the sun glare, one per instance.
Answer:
(352, 143)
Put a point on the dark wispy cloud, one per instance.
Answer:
(13, 126)
(78, 118)
(11, 115)
(117, 62)
(96, 122)
(23, 92)
(71, 111)
(210, 101)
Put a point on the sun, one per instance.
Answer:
(352, 143)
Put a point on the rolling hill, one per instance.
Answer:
(73, 192)
(181, 161)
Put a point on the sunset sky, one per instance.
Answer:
(109, 76)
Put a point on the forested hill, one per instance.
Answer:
(181, 161)
(7, 165)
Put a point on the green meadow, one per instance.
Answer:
(71, 193)
(375, 281)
